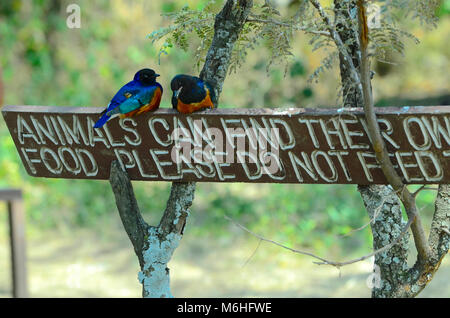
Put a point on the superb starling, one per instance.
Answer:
(141, 95)
(191, 94)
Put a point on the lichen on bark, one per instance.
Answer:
(383, 207)
(154, 275)
(396, 279)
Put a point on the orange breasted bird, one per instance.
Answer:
(141, 95)
(191, 94)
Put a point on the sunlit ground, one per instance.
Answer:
(101, 263)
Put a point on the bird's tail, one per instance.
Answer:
(105, 117)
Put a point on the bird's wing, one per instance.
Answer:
(211, 92)
(139, 99)
(174, 101)
(127, 91)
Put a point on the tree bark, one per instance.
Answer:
(154, 246)
(227, 27)
(129, 212)
(417, 277)
(388, 216)
(392, 275)
(344, 16)
(384, 209)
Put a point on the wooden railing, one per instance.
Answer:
(14, 200)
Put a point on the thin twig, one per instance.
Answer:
(423, 187)
(415, 193)
(253, 254)
(372, 219)
(323, 260)
(274, 242)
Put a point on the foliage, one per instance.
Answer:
(266, 25)
(276, 36)
(186, 22)
(45, 63)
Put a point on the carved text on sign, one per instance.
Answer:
(233, 145)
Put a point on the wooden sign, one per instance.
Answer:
(233, 145)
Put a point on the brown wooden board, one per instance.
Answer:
(292, 145)
(10, 194)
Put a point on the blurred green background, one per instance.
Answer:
(43, 62)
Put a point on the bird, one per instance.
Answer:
(141, 95)
(191, 94)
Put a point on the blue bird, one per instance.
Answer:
(191, 94)
(141, 95)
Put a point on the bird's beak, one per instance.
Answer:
(178, 91)
(156, 75)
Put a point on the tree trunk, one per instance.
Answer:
(392, 277)
(346, 29)
(154, 246)
(377, 199)
(384, 209)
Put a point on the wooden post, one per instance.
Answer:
(17, 240)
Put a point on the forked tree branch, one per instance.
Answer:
(379, 145)
(397, 280)
(227, 27)
(439, 240)
(177, 209)
(154, 245)
(129, 212)
(362, 81)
